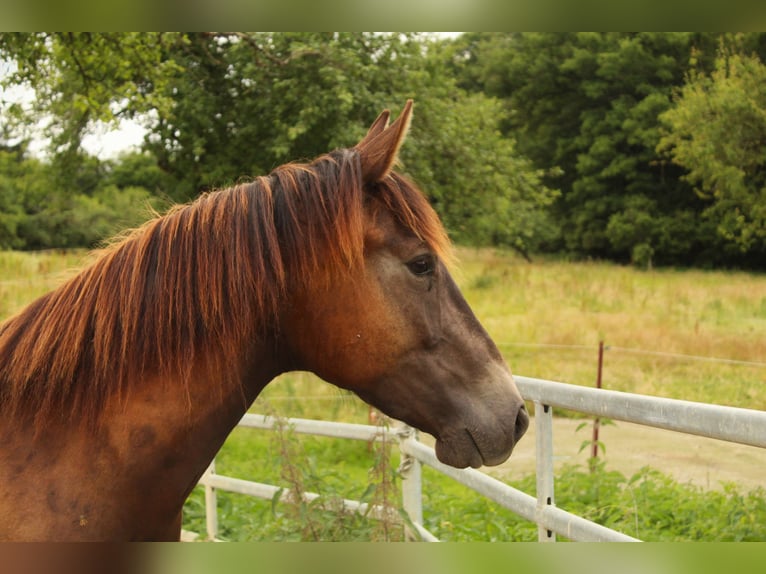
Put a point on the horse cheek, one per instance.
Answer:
(354, 337)
(367, 344)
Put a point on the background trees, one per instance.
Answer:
(591, 104)
(717, 132)
(591, 144)
(220, 107)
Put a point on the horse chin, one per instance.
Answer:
(460, 445)
(461, 450)
(447, 453)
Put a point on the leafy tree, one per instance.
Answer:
(717, 131)
(15, 184)
(589, 104)
(220, 106)
(35, 215)
(135, 169)
(247, 103)
(84, 78)
(484, 191)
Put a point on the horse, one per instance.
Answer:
(118, 387)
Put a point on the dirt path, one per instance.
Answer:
(629, 447)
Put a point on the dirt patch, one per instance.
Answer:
(689, 459)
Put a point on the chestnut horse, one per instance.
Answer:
(118, 388)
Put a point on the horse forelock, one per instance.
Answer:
(410, 208)
(206, 278)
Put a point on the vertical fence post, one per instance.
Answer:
(544, 458)
(410, 469)
(211, 507)
(596, 420)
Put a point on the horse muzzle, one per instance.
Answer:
(482, 444)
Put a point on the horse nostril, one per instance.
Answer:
(522, 423)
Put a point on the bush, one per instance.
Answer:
(83, 220)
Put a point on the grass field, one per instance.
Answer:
(663, 328)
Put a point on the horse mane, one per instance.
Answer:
(205, 278)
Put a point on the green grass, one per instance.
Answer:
(547, 318)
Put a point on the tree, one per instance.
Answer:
(247, 103)
(588, 104)
(89, 77)
(717, 131)
(220, 106)
(484, 191)
(34, 214)
(84, 78)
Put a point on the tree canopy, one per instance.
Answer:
(224, 106)
(717, 132)
(590, 104)
(642, 147)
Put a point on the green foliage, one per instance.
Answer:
(648, 505)
(485, 193)
(225, 106)
(335, 469)
(636, 147)
(717, 131)
(589, 104)
(35, 214)
(20, 187)
(80, 78)
(85, 220)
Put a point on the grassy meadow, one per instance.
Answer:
(547, 317)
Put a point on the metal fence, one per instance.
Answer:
(730, 424)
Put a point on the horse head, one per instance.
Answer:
(397, 331)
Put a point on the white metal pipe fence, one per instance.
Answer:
(745, 426)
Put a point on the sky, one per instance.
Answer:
(109, 143)
(102, 141)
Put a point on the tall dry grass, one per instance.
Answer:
(24, 276)
(547, 318)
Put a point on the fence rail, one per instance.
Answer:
(730, 424)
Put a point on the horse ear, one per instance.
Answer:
(380, 124)
(379, 149)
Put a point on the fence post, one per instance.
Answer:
(211, 507)
(596, 420)
(544, 456)
(410, 469)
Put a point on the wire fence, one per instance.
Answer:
(645, 352)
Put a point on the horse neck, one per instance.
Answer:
(136, 470)
(194, 424)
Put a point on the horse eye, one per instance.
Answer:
(422, 265)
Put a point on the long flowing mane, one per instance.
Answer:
(205, 278)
